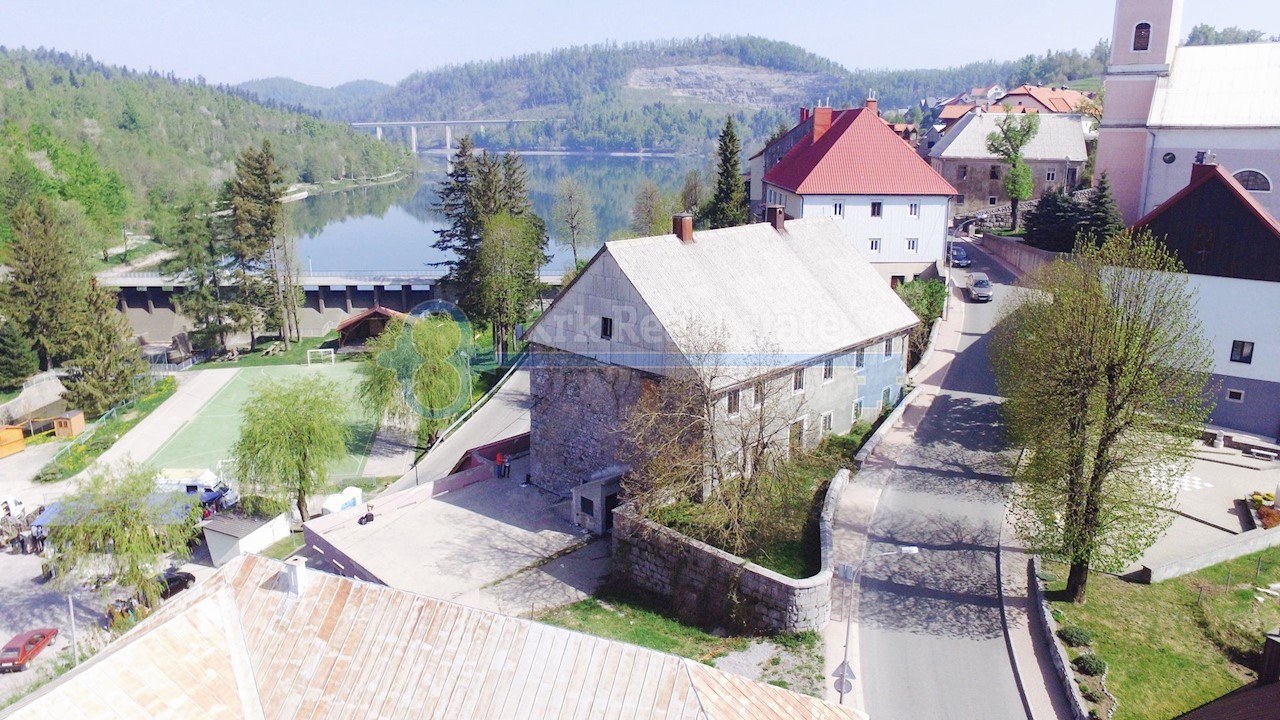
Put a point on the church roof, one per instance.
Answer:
(1220, 86)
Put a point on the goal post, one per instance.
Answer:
(320, 355)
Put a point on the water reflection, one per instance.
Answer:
(390, 227)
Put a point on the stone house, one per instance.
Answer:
(851, 166)
(788, 307)
(1056, 155)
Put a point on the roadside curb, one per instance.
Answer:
(1004, 621)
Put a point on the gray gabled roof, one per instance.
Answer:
(1220, 86)
(1061, 137)
(767, 300)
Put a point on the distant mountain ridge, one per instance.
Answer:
(662, 95)
(340, 102)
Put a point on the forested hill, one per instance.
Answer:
(159, 133)
(670, 95)
(346, 101)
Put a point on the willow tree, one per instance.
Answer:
(1105, 368)
(116, 523)
(414, 374)
(290, 435)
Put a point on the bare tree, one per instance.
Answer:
(574, 217)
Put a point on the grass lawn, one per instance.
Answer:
(284, 547)
(209, 436)
(639, 622)
(80, 456)
(1168, 653)
(296, 355)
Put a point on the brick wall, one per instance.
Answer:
(712, 588)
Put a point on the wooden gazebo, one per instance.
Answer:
(355, 330)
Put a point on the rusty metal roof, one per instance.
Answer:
(241, 645)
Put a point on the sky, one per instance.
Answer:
(324, 42)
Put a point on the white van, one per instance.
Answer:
(197, 481)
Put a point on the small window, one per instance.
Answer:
(860, 359)
(875, 245)
(888, 348)
(829, 369)
(586, 506)
(991, 200)
(757, 396)
(962, 173)
(606, 328)
(1071, 177)
(827, 422)
(1242, 352)
(734, 402)
(995, 172)
(1050, 175)
(959, 200)
(1253, 181)
(914, 209)
(1142, 37)
(1235, 396)
(913, 245)
(857, 410)
(896, 280)
(877, 209)
(886, 398)
(797, 381)
(838, 209)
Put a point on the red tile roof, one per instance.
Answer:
(1204, 174)
(1059, 100)
(859, 155)
(955, 112)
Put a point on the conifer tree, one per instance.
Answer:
(728, 206)
(1103, 218)
(107, 368)
(256, 249)
(44, 294)
(199, 239)
(18, 359)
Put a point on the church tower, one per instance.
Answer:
(1143, 40)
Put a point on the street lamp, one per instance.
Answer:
(844, 674)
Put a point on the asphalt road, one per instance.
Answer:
(930, 634)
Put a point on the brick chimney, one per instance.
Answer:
(776, 215)
(1206, 163)
(682, 227)
(821, 122)
(873, 104)
(804, 114)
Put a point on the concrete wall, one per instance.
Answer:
(275, 529)
(712, 588)
(1221, 551)
(1020, 255)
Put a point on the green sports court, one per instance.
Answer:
(207, 438)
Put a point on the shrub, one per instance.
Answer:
(1270, 516)
(1075, 636)
(1090, 664)
(262, 507)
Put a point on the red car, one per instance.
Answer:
(24, 647)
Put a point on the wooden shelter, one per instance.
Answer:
(12, 441)
(69, 424)
(357, 329)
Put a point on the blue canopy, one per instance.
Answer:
(209, 496)
(179, 507)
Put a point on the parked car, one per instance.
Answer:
(24, 647)
(979, 287)
(960, 256)
(174, 582)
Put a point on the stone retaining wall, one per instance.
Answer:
(1040, 619)
(712, 588)
(1230, 548)
(1020, 255)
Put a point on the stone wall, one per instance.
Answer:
(577, 417)
(1041, 624)
(712, 588)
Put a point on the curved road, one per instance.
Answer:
(930, 633)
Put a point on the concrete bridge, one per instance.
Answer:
(413, 126)
(150, 300)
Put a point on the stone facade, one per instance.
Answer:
(579, 409)
(980, 181)
(712, 588)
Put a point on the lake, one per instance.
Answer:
(390, 227)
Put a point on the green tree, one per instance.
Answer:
(291, 432)
(728, 204)
(116, 521)
(1104, 368)
(1055, 221)
(1204, 34)
(574, 217)
(1101, 216)
(1012, 134)
(407, 377)
(18, 359)
(255, 247)
(925, 298)
(648, 212)
(510, 254)
(199, 241)
(106, 368)
(45, 291)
